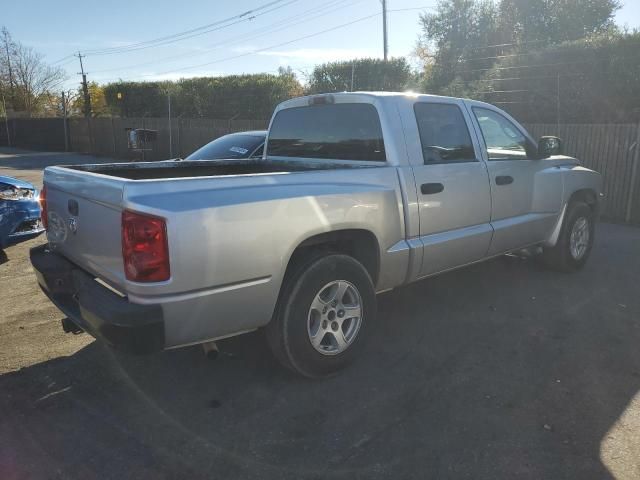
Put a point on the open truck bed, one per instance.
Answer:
(206, 168)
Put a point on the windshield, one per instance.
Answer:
(229, 146)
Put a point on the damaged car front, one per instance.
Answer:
(19, 212)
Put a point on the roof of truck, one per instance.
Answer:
(378, 94)
(408, 93)
(381, 96)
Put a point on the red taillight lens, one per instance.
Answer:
(43, 207)
(144, 247)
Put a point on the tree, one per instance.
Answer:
(7, 47)
(554, 21)
(364, 73)
(590, 80)
(470, 36)
(26, 76)
(99, 107)
(53, 106)
(455, 31)
(234, 96)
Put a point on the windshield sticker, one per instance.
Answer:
(239, 150)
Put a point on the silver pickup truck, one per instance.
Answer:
(356, 194)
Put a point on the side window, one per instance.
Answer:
(444, 134)
(503, 139)
(258, 153)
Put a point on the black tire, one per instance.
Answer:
(287, 333)
(559, 257)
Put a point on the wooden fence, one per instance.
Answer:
(108, 136)
(613, 150)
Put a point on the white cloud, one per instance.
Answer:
(151, 77)
(314, 54)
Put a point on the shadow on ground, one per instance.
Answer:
(502, 370)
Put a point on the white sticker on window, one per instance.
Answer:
(239, 150)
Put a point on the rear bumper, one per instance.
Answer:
(95, 308)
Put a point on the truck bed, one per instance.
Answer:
(206, 168)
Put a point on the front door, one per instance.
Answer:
(452, 186)
(526, 192)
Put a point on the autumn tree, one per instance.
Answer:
(99, 107)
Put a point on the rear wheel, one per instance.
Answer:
(575, 240)
(324, 313)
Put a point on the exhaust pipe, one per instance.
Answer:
(210, 350)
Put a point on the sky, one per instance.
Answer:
(274, 37)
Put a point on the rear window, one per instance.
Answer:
(343, 131)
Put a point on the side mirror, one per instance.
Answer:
(549, 146)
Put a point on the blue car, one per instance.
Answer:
(19, 212)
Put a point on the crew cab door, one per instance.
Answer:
(452, 184)
(526, 192)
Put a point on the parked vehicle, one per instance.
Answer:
(358, 193)
(235, 145)
(19, 212)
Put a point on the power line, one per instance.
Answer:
(274, 46)
(361, 19)
(62, 59)
(529, 78)
(526, 66)
(242, 17)
(491, 92)
(240, 38)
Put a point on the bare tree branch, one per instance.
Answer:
(26, 76)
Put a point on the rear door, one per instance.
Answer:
(526, 191)
(452, 183)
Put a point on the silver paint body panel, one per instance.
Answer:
(231, 237)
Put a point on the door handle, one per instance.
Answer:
(504, 180)
(431, 188)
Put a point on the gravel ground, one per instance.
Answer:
(498, 371)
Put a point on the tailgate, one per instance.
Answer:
(84, 220)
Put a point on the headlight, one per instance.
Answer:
(11, 192)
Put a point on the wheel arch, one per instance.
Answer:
(586, 195)
(360, 244)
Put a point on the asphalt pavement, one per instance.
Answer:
(499, 371)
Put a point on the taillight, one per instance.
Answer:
(43, 207)
(144, 247)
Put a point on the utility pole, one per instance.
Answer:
(64, 122)
(85, 88)
(170, 133)
(558, 106)
(353, 71)
(384, 29)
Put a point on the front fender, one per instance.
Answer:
(577, 180)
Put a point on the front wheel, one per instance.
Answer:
(324, 313)
(575, 240)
